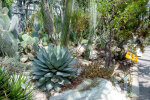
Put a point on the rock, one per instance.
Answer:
(46, 48)
(121, 75)
(84, 62)
(30, 55)
(92, 89)
(38, 95)
(29, 63)
(24, 58)
(118, 78)
(93, 54)
(139, 52)
(80, 49)
(118, 87)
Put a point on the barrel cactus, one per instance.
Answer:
(8, 44)
(52, 67)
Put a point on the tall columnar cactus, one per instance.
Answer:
(52, 67)
(8, 45)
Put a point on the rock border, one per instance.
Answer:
(135, 81)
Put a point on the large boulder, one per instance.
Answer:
(96, 89)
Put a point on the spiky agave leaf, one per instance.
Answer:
(52, 67)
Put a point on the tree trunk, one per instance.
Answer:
(66, 23)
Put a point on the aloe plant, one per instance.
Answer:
(52, 67)
(14, 87)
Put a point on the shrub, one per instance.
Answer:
(95, 70)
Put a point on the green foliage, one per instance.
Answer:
(52, 67)
(125, 17)
(95, 71)
(79, 25)
(83, 3)
(14, 87)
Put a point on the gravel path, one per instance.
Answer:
(144, 75)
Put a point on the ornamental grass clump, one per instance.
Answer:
(52, 67)
(14, 87)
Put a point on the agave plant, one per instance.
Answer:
(14, 87)
(52, 67)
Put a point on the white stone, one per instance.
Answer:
(24, 59)
(93, 54)
(139, 52)
(96, 89)
(80, 49)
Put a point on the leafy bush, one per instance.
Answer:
(95, 70)
(14, 87)
(52, 68)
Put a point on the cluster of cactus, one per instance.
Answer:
(13, 86)
(8, 44)
(52, 67)
(28, 40)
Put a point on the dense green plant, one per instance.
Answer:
(52, 67)
(95, 70)
(4, 79)
(79, 25)
(14, 87)
(121, 21)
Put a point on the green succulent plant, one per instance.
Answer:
(14, 87)
(28, 40)
(8, 44)
(52, 67)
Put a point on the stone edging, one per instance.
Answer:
(135, 81)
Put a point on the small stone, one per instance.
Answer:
(93, 54)
(121, 75)
(29, 63)
(118, 87)
(24, 59)
(118, 78)
(103, 52)
(84, 62)
(38, 95)
(46, 48)
(30, 56)
(80, 49)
